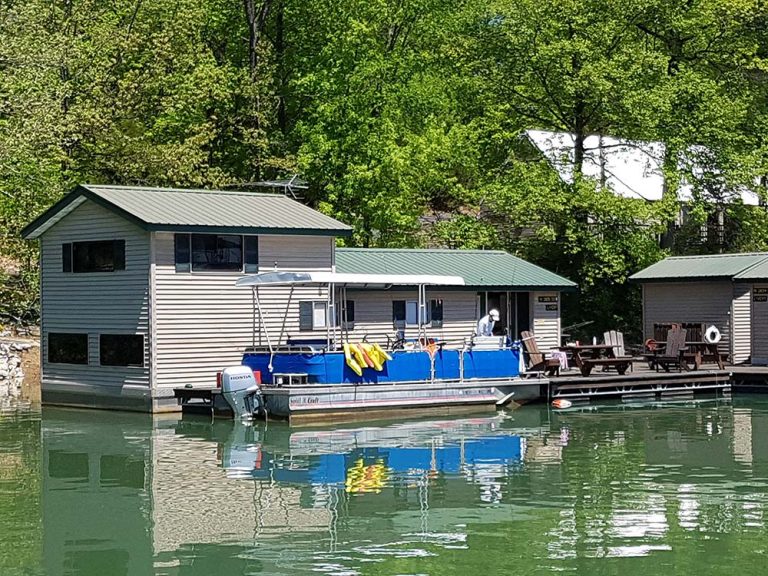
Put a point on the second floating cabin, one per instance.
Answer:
(728, 291)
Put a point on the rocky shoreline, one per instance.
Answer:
(18, 369)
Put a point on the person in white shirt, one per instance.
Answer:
(486, 323)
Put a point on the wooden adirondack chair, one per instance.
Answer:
(538, 362)
(615, 339)
(673, 352)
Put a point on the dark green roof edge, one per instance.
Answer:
(245, 230)
(52, 210)
(84, 191)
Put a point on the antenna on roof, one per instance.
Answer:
(291, 187)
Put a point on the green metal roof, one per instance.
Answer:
(714, 267)
(479, 268)
(754, 273)
(180, 210)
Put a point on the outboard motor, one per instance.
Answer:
(241, 391)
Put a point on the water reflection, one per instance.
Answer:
(677, 489)
(352, 489)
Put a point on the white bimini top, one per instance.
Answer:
(359, 280)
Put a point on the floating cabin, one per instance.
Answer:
(138, 292)
(729, 291)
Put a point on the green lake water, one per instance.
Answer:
(657, 489)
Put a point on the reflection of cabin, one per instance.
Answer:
(729, 291)
(95, 477)
(138, 290)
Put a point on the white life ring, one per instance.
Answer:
(712, 335)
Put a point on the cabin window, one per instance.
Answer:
(121, 350)
(436, 313)
(251, 249)
(346, 320)
(313, 315)
(411, 312)
(67, 348)
(181, 249)
(97, 256)
(216, 252)
(406, 313)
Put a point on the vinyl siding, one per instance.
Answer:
(741, 314)
(546, 323)
(94, 303)
(759, 335)
(295, 253)
(202, 321)
(707, 302)
(373, 315)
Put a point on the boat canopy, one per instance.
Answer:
(335, 330)
(357, 280)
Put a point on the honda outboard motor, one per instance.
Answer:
(241, 391)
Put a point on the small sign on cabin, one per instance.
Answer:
(551, 307)
(547, 298)
(759, 290)
(760, 298)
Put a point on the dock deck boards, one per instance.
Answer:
(641, 381)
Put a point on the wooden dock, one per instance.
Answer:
(640, 382)
(750, 378)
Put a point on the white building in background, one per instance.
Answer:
(630, 168)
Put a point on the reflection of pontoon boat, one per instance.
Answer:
(320, 378)
(364, 458)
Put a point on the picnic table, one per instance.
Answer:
(587, 356)
(698, 352)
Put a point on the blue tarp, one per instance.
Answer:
(406, 365)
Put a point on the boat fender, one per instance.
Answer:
(351, 362)
(366, 358)
(712, 335)
(651, 344)
(561, 403)
(374, 356)
(383, 352)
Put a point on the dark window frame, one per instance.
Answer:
(93, 256)
(55, 354)
(111, 357)
(350, 321)
(400, 314)
(436, 311)
(184, 254)
(221, 253)
(307, 315)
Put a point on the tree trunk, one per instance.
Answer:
(256, 18)
(669, 166)
(282, 119)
